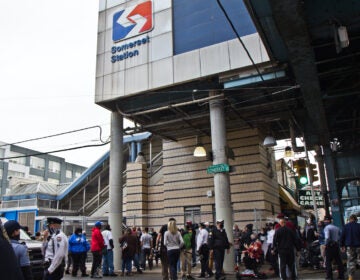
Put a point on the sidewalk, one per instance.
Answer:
(304, 273)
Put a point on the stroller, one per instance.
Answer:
(253, 258)
(311, 257)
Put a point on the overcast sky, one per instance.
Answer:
(47, 76)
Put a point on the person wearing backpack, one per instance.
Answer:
(186, 252)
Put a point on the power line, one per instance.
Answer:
(58, 134)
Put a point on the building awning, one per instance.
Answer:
(289, 200)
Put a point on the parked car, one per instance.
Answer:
(35, 253)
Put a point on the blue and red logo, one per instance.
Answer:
(132, 21)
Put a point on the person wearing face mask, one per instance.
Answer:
(78, 247)
(55, 250)
(218, 242)
(21, 252)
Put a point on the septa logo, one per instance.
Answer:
(132, 21)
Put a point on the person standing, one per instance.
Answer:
(332, 249)
(128, 243)
(350, 240)
(237, 253)
(97, 245)
(55, 250)
(218, 242)
(9, 265)
(146, 243)
(21, 251)
(154, 249)
(203, 249)
(78, 248)
(186, 252)
(163, 251)
(108, 258)
(173, 242)
(284, 244)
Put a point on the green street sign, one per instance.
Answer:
(218, 168)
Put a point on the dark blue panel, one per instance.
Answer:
(202, 23)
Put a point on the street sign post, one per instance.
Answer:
(218, 168)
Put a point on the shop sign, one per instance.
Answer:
(306, 200)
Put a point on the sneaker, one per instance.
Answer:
(84, 275)
(189, 277)
(201, 276)
(113, 274)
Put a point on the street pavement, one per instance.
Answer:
(304, 273)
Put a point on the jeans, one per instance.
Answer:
(173, 256)
(145, 254)
(126, 264)
(108, 263)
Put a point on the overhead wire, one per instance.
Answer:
(58, 134)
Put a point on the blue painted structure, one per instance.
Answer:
(201, 23)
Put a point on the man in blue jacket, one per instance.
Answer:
(350, 238)
(78, 248)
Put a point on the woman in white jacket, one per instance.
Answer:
(173, 242)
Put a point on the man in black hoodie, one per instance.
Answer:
(284, 244)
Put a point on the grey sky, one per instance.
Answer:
(47, 76)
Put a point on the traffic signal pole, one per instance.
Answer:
(310, 178)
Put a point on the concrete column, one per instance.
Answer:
(223, 205)
(133, 151)
(138, 147)
(116, 183)
(334, 197)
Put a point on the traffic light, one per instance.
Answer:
(300, 166)
(313, 172)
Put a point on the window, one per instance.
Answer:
(192, 214)
(54, 181)
(19, 158)
(77, 174)
(1, 173)
(16, 174)
(2, 153)
(38, 163)
(54, 167)
(36, 178)
(69, 174)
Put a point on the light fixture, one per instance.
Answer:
(288, 152)
(199, 150)
(343, 36)
(269, 141)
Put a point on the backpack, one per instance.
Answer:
(187, 240)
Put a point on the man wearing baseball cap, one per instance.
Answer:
(55, 249)
(97, 245)
(12, 228)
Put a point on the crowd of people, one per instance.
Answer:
(286, 247)
(282, 244)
